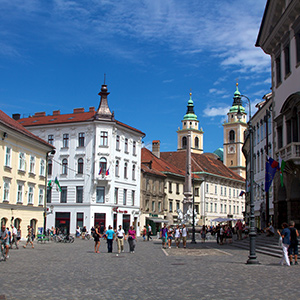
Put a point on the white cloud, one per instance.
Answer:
(229, 29)
(215, 111)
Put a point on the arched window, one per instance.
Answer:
(65, 166)
(117, 168)
(80, 166)
(184, 142)
(231, 136)
(196, 142)
(103, 165)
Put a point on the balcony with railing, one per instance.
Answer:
(290, 152)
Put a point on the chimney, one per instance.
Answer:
(40, 114)
(16, 116)
(156, 148)
(56, 112)
(78, 110)
(91, 109)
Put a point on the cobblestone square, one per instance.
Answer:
(202, 271)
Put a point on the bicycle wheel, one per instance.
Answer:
(3, 253)
(88, 236)
(71, 238)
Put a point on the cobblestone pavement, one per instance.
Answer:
(202, 271)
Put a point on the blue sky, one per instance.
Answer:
(54, 53)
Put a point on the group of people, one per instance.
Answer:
(110, 235)
(12, 237)
(289, 237)
(167, 234)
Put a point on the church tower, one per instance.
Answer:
(234, 136)
(190, 124)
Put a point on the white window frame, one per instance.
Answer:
(41, 196)
(42, 167)
(30, 195)
(22, 161)
(32, 164)
(8, 157)
(20, 193)
(6, 188)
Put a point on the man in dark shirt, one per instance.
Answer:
(163, 235)
(293, 248)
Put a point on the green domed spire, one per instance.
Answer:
(237, 101)
(190, 114)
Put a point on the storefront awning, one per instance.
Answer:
(158, 220)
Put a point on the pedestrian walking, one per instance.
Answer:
(177, 236)
(222, 234)
(218, 228)
(149, 233)
(184, 234)
(203, 234)
(239, 228)
(96, 236)
(164, 236)
(285, 235)
(14, 237)
(131, 236)
(29, 237)
(120, 239)
(144, 233)
(19, 234)
(110, 234)
(170, 236)
(83, 232)
(78, 232)
(293, 248)
(4, 239)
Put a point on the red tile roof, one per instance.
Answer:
(204, 163)
(78, 115)
(13, 124)
(159, 164)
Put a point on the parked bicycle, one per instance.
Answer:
(61, 238)
(87, 236)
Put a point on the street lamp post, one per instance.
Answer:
(252, 234)
(193, 230)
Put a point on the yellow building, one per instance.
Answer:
(234, 137)
(23, 176)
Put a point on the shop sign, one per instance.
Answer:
(117, 210)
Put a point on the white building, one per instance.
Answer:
(279, 37)
(262, 135)
(97, 164)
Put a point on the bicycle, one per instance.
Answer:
(3, 250)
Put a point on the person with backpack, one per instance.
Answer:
(293, 248)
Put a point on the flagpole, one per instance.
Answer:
(266, 117)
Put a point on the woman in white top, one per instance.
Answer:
(177, 236)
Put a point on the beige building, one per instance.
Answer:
(23, 176)
(234, 137)
(279, 37)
